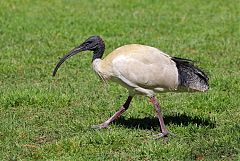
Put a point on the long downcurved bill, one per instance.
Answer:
(65, 57)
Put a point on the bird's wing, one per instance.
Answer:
(146, 67)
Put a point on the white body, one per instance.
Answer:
(141, 69)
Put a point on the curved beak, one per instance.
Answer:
(68, 55)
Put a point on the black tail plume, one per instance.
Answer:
(191, 76)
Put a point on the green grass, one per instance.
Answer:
(46, 118)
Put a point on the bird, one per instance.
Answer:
(142, 70)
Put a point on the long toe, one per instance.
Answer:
(100, 126)
(163, 135)
(160, 135)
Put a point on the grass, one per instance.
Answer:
(46, 118)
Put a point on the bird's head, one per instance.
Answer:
(93, 43)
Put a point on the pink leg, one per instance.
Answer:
(160, 117)
(115, 116)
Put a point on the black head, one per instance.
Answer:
(93, 43)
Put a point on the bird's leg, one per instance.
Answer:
(160, 117)
(116, 115)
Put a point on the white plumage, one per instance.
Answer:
(137, 67)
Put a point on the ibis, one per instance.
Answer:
(142, 70)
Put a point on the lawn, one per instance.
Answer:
(49, 118)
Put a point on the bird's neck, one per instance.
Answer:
(98, 53)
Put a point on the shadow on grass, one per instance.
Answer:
(152, 123)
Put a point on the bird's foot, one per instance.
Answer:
(160, 135)
(163, 135)
(100, 126)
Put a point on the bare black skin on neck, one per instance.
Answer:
(93, 43)
(99, 50)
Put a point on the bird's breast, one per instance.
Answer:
(102, 69)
